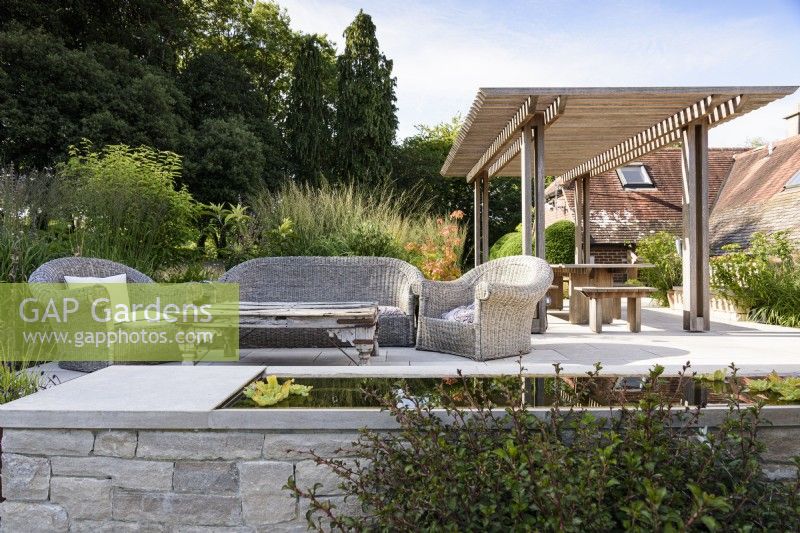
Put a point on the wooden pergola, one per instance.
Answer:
(576, 133)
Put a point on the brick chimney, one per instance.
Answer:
(793, 122)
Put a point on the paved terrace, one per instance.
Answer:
(755, 348)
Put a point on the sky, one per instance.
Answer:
(443, 51)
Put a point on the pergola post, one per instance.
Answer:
(485, 217)
(540, 322)
(480, 217)
(582, 210)
(476, 221)
(526, 173)
(695, 227)
(587, 220)
(578, 196)
(538, 180)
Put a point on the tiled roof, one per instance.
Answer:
(620, 215)
(754, 198)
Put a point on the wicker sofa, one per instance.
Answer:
(54, 272)
(329, 279)
(496, 302)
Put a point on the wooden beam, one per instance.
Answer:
(652, 135)
(596, 119)
(582, 222)
(653, 140)
(718, 113)
(555, 110)
(694, 246)
(526, 172)
(510, 153)
(550, 115)
(724, 110)
(664, 128)
(638, 152)
(523, 115)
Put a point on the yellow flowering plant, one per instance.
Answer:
(269, 392)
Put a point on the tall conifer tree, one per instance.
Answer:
(308, 118)
(366, 115)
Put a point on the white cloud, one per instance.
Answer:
(444, 51)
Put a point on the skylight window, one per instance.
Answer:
(794, 181)
(635, 177)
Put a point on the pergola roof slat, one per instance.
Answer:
(600, 125)
(682, 117)
(523, 115)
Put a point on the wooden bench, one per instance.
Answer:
(556, 295)
(632, 293)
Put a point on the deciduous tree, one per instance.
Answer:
(52, 96)
(225, 162)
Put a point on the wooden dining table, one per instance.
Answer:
(594, 275)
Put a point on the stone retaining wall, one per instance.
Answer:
(198, 480)
(161, 481)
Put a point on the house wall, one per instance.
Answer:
(611, 253)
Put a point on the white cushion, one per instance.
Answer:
(390, 310)
(115, 285)
(463, 313)
(117, 278)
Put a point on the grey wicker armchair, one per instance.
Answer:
(329, 279)
(54, 272)
(504, 293)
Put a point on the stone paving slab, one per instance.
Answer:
(131, 396)
(756, 348)
(142, 388)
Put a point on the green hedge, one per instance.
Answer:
(484, 468)
(559, 243)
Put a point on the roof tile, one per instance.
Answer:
(620, 215)
(754, 198)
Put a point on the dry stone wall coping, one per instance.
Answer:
(119, 398)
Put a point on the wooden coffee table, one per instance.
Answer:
(353, 323)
